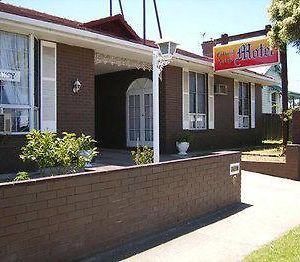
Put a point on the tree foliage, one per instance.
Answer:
(285, 18)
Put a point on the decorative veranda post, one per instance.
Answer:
(161, 58)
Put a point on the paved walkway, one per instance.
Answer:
(274, 208)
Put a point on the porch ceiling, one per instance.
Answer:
(102, 68)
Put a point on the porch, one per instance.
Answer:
(113, 159)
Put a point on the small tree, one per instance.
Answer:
(285, 18)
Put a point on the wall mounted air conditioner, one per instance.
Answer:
(5, 123)
(221, 89)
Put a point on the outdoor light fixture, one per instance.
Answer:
(161, 58)
(167, 48)
(76, 86)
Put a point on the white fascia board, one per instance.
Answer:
(29, 23)
(259, 79)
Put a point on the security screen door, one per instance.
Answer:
(140, 113)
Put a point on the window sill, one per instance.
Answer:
(14, 134)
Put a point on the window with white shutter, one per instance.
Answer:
(244, 105)
(48, 86)
(197, 99)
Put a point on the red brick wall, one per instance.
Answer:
(290, 169)
(296, 127)
(75, 112)
(10, 149)
(66, 217)
(224, 134)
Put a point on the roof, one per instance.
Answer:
(110, 24)
(114, 26)
(102, 26)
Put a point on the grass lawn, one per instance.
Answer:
(286, 248)
(270, 150)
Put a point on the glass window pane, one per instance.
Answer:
(19, 119)
(14, 57)
(201, 87)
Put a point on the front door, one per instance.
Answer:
(139, 113)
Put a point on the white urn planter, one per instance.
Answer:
(88, 155)
(182, 147)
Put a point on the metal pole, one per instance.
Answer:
(157, 19)
(155, 79)
(110, 7)
(121, 8)
(144, 20)
(284, 81)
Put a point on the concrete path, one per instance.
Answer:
(274, 208)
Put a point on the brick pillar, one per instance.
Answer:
(296, 127)
(293, 161)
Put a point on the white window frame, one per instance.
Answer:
(243, 118)
(30, 105)
(194, 116)
(274, 103)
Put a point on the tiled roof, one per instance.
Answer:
(89, 26)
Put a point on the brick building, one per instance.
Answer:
(43, 56)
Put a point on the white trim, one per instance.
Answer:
(252, 104)
(185, 100)
(31, 82)
(14, 133)
(12, 106)
(211, 101)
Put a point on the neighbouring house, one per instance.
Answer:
(272, 95)
(95, 78)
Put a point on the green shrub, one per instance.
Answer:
(142, 155)
(60, 155)
(22, 176)
(185, 136)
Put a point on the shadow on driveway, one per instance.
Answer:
(149, 242)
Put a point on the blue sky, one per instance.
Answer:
(183, 20)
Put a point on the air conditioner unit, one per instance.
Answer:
(221, 89)
(5, 123)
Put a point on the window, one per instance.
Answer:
(274, 102)
(14, 82)
(197, 100)
(244, 105)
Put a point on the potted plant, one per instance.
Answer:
(86, 149)
(183, 143)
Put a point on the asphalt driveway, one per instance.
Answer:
(272, 206)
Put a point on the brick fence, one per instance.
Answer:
(290, 169)
(295, 130)
(67, 217)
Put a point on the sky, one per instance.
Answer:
(188, 22)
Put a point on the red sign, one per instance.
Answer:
(245, 54)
